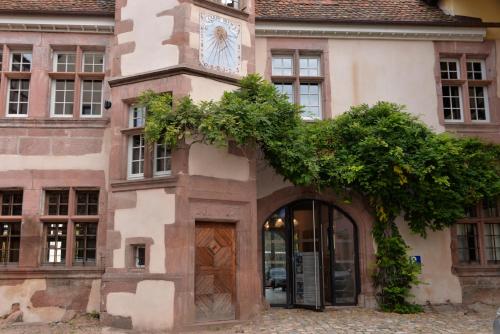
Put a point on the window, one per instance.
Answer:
(285, 88)
(12, 203)
(87, 202)
(476, 70)
(91, 98)
(62, 97)
(478, 102)
(136, 156)
(450, 69)
(232, 3)
(464, 76)
(65, 62)
(137, 117)
(310, 99)
(10, 241)
(452, 103)
(139, 256)
(282, 66)
(21, 62)
(467, 243)
(18, 97)
(299, 77)
(56, 202)
(85, 243)
(55, 243)
(93, 62)
(478, 235)
(309, 66)
(162, 159)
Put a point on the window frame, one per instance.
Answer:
(85, 261)
(55, 61)
(155, 158)
(461, 101)
(480, 219)
(92, 103)
(450, 60)
(486, 105)
(53, 99)
(47, 248)
(22, 52)
(130, 175)
(483, 68)
(9, 238)
(84, 53)
(11, 193)
(87, 193)
(296, 79)
(7, 109)
(46, 204)
(135, 252)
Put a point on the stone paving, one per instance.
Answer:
(477, 319)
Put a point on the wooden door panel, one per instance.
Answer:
(215, 272)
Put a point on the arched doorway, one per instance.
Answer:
(310, 256)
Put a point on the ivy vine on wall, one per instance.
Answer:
(395, 161)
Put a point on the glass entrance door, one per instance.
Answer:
(310, 256)
(306, 258)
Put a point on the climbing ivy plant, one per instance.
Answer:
(408, 173)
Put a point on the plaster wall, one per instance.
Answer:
(151, 307)
(204, 89)
(268, 181)
(151, 28)
(205, 160)
(153, 211)
(368, 71)
(439, 284)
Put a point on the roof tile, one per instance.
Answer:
(359, 11)
(69, 7)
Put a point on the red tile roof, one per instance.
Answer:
(59, 7)
(359, 11)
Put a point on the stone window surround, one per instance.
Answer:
(6, 74)
(130, 244)
(306, 47)
(296, 79)
(71, 219)
(149, 170)
(481, 267)
(463, 52)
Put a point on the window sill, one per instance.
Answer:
(473, 126)
(8, 219)
(476, 270)
(146, 183)
(44, 271)
(223, 9)
(17, 122)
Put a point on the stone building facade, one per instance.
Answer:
(95, 219)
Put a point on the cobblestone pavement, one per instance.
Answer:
(436, 320)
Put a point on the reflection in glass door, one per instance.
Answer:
(306, 255)
(310, 256)
(275, 259)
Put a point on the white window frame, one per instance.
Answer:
(130, 175)
(54, 62)
(12, 53)
(136, 256)
(461, 120)
(53, 99)
(304, 115)
(93, 59)
(483, 68)
(450, 60)
(7, 114)
(131, 118)
(81, 99)
(155, 158)
(281, 57)
(486, 106)
(318, 60)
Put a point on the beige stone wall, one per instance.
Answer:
(439, 285)
(151, 307)
(368, 71)
(205, 89)
(151, 27)
(154, 209)
(205, 160)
